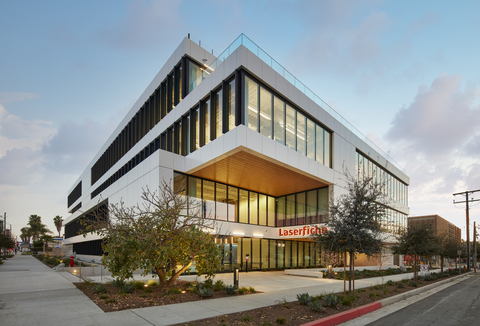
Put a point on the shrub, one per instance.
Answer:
(385, 289)
(316, 306)
(245, 318)
(118, 283)
(251, 290)
(266, 323)
(390, 282)
(430, 277)
(318, 297)
(373, 294)
(111, 300)
(218, 286)
(348, 300)
(100, 288)
(283, 302)
(173, 291)
(208, 283)
(400, 285)
(152, 283)
(413, 283)
(205, 292)
(104, 296)
(331, 300)
(138, 285)
(127, 288)
(304, 298)
(361, 290)
(281, 320)
(229, 289)
(242, 290)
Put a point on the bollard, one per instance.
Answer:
(236, 277)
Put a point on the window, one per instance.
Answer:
(232, 204)
(265, 113)
(218, 113)
(194, 71)
(253, 208)
(221, 202)
(209, 199)
(243, 206)
(301, 134)
(290, 127)
(207, 119)
(310, 139)
(279, 117)
(251, 100)
(231, 104)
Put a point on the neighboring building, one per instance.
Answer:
(262, 152)
(439, 224)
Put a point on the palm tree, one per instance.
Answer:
(26, 235)
(37, 227)
(58, 223)
(34, 218)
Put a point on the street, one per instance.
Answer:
(458, 304)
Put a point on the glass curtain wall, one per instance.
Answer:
(228, 203)
(396, 190)
(273, 118)
(266, 253)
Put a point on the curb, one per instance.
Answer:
(346, 315)
(368, 308)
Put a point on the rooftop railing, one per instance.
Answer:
(255, 49)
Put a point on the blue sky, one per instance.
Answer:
(405, 73)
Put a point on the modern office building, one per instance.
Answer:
(262, 152)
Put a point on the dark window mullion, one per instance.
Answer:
(213, 116)
(202, 123)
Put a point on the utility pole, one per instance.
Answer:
(467, 201)
(474, 248)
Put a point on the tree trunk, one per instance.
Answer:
(344, 272)
(353, 263)
(351, 274)
(441, 264)
(415, 268)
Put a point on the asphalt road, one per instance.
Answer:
(458, 304)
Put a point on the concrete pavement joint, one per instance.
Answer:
(141, 317)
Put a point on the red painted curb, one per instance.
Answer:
(346, 315)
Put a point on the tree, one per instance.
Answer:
(26, 235)
(354, 221)
(419, 240)
(58, 223)
(36, 227)
(6, 241)
(45, 239)
(160, 235)
(448, 248)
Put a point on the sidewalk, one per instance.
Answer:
(33, 294)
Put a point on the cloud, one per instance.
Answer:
(74, 145)
(147, 24)
(20, 166)
(6, 97)
(441, 117)
(340, 40)
(437, 141)
(17, 133)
